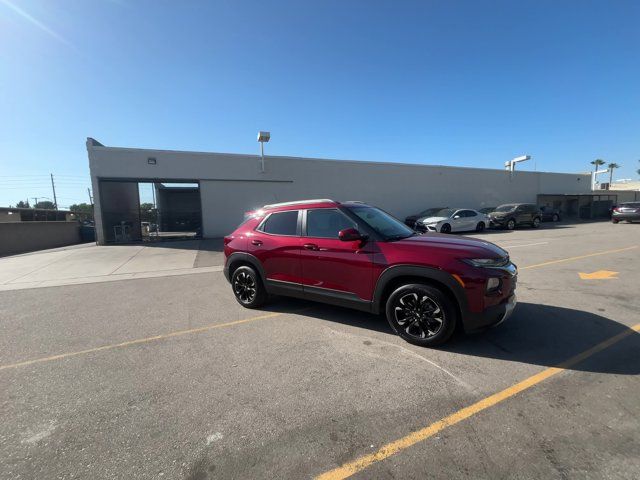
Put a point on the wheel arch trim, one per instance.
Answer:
(243, 257)
(428, 273)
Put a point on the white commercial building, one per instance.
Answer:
(232, 184)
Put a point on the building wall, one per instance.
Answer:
(21, 237)
(233, 184)
(9, 217)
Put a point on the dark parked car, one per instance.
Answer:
(628, 211)
(411, 220)
(512, 215)
(358, 256)
(549, 214)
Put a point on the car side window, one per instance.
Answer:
(327, 222)
(281, 223)
(469, 213)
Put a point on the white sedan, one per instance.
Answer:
(450, 220)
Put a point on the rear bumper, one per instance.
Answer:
(625, 216)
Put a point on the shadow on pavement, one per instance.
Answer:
(536, 334)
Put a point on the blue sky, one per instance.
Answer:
(469, 83)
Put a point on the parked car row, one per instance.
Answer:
(508, 216)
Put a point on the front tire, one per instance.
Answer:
(446, 228)
(248, 288)
(421, 314)
(536, 222)
(555, 217)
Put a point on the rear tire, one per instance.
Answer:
(248, 288)
(446, 228)
(480, 227)
(511, 224)
(421, 314)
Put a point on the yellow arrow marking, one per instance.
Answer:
(599, 275)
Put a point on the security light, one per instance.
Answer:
(262, 138)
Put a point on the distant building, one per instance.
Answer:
(11, 215)
(627, 185)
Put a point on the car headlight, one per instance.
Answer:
(486, 262)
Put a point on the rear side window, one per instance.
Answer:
(326, 223)
(281, 223)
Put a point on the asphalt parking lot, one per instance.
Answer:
(168, 377)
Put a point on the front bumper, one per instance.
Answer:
(491, 316)
(497, 222)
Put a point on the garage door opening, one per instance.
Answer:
(147, 211)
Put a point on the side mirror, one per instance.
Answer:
(350, 235)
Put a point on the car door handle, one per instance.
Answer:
(256, 242)
(310, 246)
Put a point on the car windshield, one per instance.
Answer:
(382, 223)
(505, 208)
(444, 212)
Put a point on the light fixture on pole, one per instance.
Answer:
(262, 138)
(510, 165)
(594, 177)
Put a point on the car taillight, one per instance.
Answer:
(617, 209)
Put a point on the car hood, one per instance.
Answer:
(498, 214)
(432, 219)
(472, 247)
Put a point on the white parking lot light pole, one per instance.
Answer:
(262, 138)
(511, 164)
(594, 177)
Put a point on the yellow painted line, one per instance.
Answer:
(570, 259)
(138, 341)
(359, 464)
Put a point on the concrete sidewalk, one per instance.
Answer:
(91, 264)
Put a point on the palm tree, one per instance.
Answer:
(612, 167)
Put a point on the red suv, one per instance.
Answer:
(355, 255)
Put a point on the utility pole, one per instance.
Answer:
(53, 187)
(90, 197)
(35, 206)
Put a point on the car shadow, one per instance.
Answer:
(536, 334)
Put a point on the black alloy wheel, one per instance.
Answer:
(421, 314)
(446, 228)
(247, 287)
(511, 224)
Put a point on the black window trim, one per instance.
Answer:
(260, 226)
(304, 221)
